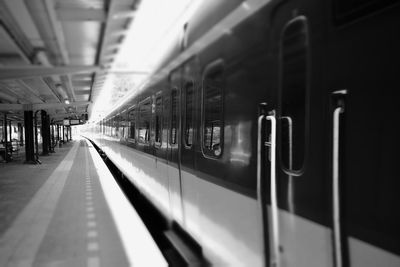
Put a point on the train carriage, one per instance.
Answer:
(268, 133)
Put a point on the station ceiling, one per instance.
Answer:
(55, 54)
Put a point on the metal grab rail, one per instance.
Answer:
(271, 241)
(261, 188)
(274, 200)
(337, 231)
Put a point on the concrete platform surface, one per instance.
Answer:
(69, 211)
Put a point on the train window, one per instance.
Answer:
(113, 127)
(174, 116)
(117, 123)
(124, 125)
(212, 115)
(165, 121)
(132, 124)
(105, 127)
(188, 119)
(158, 121)
(144, 122)
(294, 52)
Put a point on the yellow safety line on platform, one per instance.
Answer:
(20, 244)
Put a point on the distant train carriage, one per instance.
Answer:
(268, 133)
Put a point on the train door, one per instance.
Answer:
(174, 164)
(362, 70)
(297, 218)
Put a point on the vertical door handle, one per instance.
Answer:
(271, 231)
(273, 193)
(337, 232)
(261, 183)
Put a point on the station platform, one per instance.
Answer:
(69, 211)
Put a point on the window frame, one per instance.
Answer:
(130, 110)
(185, 87)
(214, 66)
(124, 124)
(284, 168)
(147, 140)
(158, 113)
(174, 89)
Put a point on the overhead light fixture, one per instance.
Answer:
(61, 91)
(66, 101)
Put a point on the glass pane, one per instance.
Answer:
(165, 121)
(174, 116)
(188, 131)
(213, 114)
(144, 122)
(294, 68)
(158, 119)
(132, 123)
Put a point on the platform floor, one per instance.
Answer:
(57, 214)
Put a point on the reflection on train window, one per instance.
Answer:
(132, 124)
(113, 126)
(165, 121)
(213, 111)
(188, 126)
(117, 127)
(124, 125)
(293, 93)
(174, 116)
(158, 120)
(144, 122)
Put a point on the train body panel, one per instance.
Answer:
(200, 145)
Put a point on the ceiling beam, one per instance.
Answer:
(60, 105)
(82, 92)
(80, 14)
(8, 73)
(81, 83)
(64, 115)
(13, 107)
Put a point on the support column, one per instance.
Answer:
(49, 144)
(52, 143)
(45, 136)
(29, 145)
(10, 132)
(5, 138)
(63, 133)
(70, 133)
(36, 138)
(20, 134)
(58, 135)
(10, 139)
